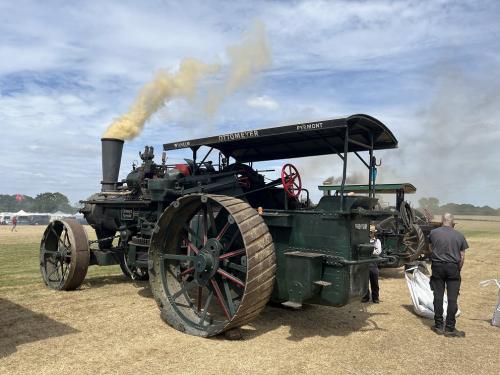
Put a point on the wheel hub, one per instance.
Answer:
(207, 261)
(61, 253)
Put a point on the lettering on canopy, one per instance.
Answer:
(239, 135)
(182, 144)
(311, 126)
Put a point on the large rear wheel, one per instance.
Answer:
(64, 254)
(211, 264)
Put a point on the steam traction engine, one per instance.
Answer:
(216, 240)
(402, 230)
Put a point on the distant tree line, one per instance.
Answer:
(43, 202)
(432, 204)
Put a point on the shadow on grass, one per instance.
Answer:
(144, 289)
(426, 322)
(392, 273)
(314, 321)
(100, 281)
(19, 325)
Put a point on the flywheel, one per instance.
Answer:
(64, 254)
(414, 242)
(212, 264)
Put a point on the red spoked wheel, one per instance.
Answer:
(290, 178)
(211, 264)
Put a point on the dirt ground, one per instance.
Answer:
(112, 326)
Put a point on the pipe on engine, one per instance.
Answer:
(111, 158)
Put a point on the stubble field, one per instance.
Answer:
(112, 325)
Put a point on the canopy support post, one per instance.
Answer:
(205, 158)
(195, 167)
(371, 171)
(344, 172)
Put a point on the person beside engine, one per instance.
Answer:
(447, 255)
(373, 270)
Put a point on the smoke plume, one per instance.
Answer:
(164, 87)
(453, 152)
(248, 58)
(351, 178)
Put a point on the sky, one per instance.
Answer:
(429, 70)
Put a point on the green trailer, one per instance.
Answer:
(216, 240)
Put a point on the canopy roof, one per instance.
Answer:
(299, 140)
(379, 188)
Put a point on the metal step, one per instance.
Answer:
(303, 254)
(292, 305)
(322, 283)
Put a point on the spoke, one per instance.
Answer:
(64, 273)
(229, 298)
(223, 231)
(220, 299)
(178, 257)
(57, 235)
(182, 290)
(56, 269)
(186, 272)
(205, 308)
(237, 267)
(235, 235)
(66, 237)
(192, 233)
(45, 251)
(212, 219)
(230, 277)
(62, 270)
(204, 225)
(232, 254)
(51, 262)
(200, 294)
(191, 246)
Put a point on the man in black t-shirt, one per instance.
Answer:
(448, 254)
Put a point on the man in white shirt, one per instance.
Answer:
(377, 250)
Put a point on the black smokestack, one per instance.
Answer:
(111, 159)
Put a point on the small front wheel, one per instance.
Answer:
(64, 254)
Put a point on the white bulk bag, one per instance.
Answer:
(496, 314)
(421, 293)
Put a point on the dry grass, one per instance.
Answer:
(112, 326)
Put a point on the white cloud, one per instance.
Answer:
(68, 69)
(262, 102)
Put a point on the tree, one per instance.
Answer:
(431, 204)
(9, 203)
(52, 202)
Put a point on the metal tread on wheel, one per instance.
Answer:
(64, 254)
(212, 264)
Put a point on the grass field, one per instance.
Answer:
(112, 325)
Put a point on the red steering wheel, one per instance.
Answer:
(290, 178)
